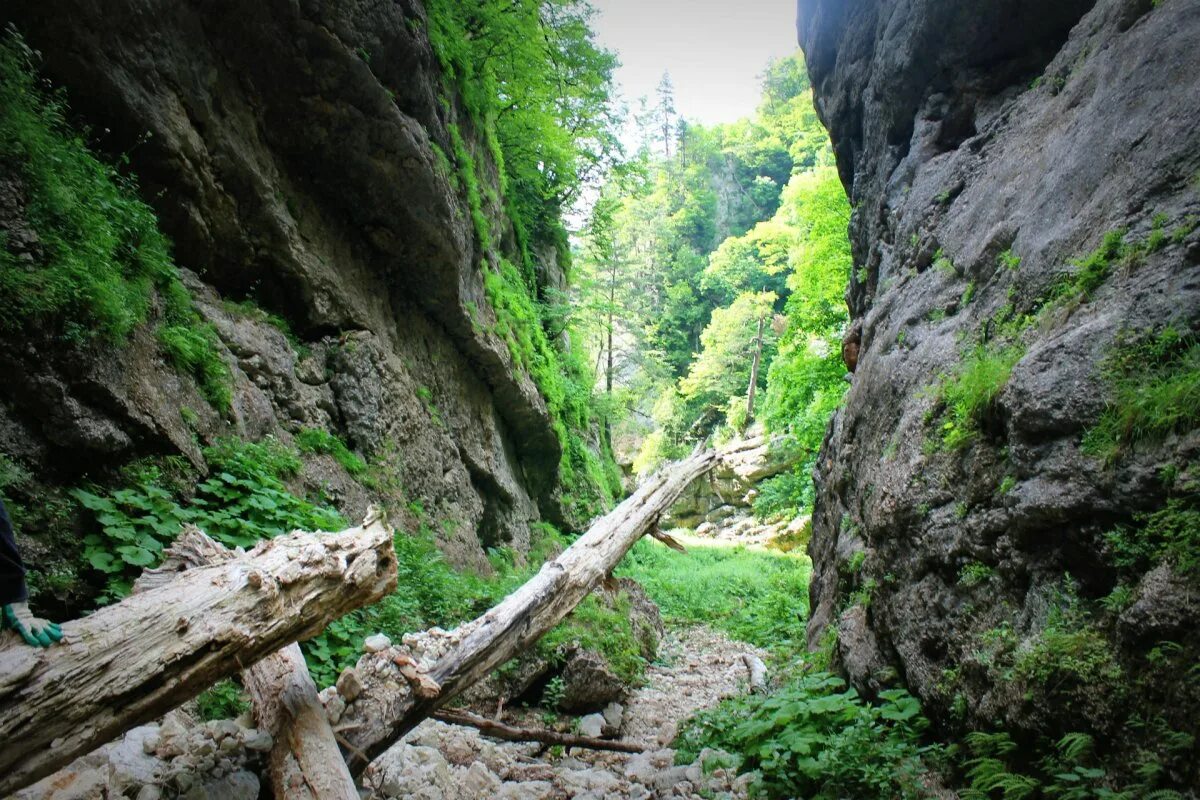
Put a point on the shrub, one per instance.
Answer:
(816, 739)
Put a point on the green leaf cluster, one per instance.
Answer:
(968, 393)
(1154, 381)
(1071, 769)
(319, 440)
(243, 500)
(815, 738)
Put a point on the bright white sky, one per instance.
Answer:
(714, 50)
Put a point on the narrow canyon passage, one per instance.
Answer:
(807, 390)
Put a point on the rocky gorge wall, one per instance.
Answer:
(1005, 520)
(294, 153)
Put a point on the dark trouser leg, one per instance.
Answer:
(12, 570)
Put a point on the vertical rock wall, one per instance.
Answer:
(295, 154)
(988, 149)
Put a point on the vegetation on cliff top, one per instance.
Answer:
(537, 90)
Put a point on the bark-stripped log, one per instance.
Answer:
(380, 704)
(758, 673)
(510, 733)
(134, 661)
(305, 762)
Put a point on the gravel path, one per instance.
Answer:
(697, 667)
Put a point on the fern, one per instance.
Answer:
(1075, 746)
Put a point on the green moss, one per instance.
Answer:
(604, 628)
(591, 481)
(468, 175)
(101, 258)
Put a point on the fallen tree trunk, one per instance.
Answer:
(509, 733)
(758, 673)
(305, 762)
(134, 661)
(389, 692)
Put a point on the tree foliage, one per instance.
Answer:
(705, 223)
(534, 80)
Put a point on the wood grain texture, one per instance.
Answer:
(133, 661)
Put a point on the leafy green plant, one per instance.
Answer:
(975, 573)
(223, 700)
(242, 501)
(555, 691)
(1155, 390)
(1092, 270)
(1172, 533)
(942, 263)
(968, 294)
(319, 440)
(101, 258)
(815, 738)
(968, 393)
(1009, 260)
(1070, 769)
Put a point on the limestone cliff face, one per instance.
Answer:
(970, 135)
(293, 152)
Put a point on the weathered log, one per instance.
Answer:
(305, 762)
(133, 661)
(382, 705)
(758, 673)
(509, 733)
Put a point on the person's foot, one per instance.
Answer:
(36, 632)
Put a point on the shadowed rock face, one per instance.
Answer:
(977, 129)
(290, 150)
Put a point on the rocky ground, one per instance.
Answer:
(695, 669)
